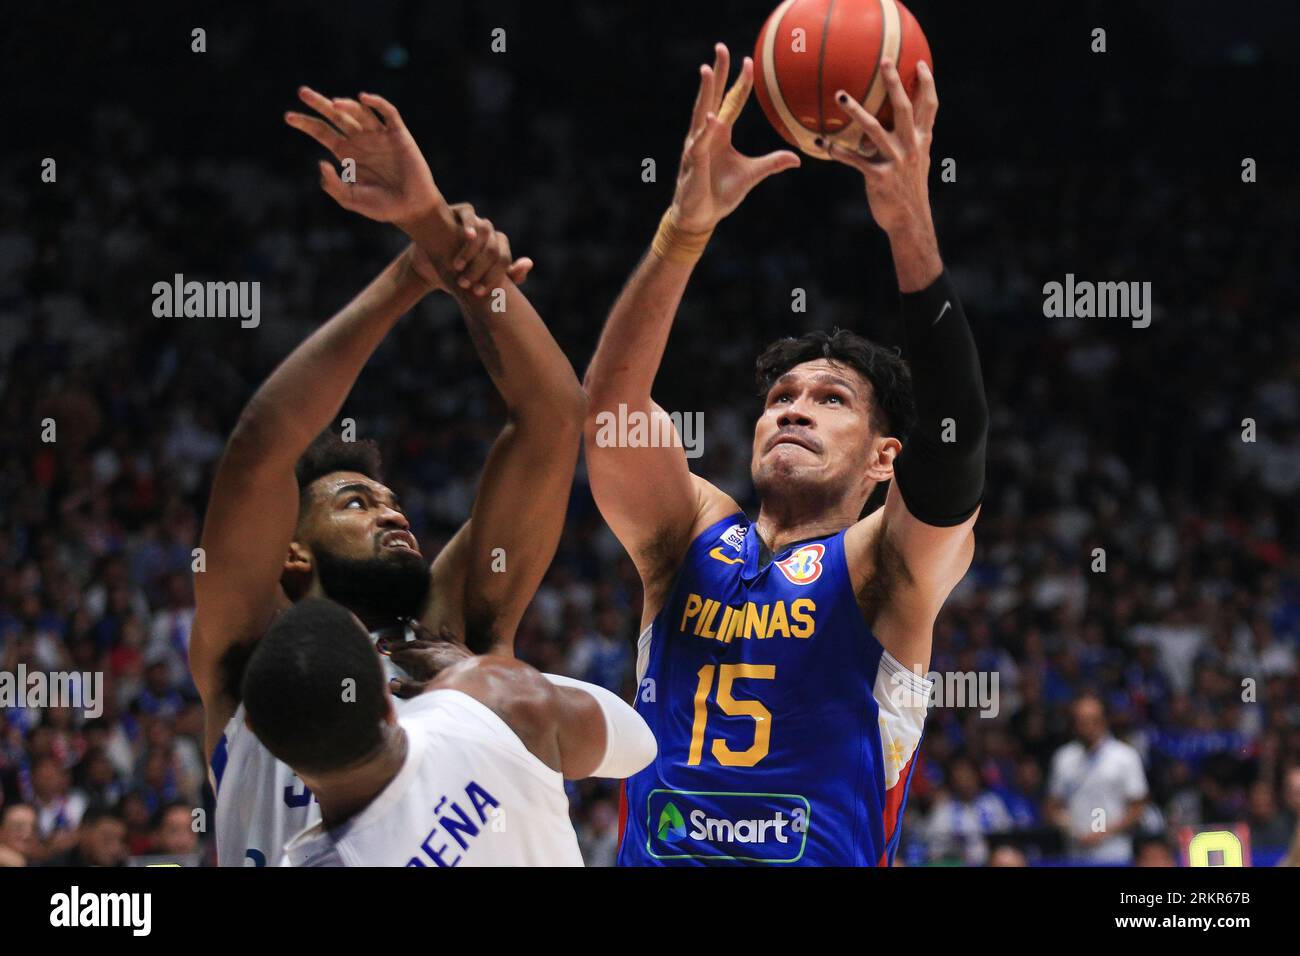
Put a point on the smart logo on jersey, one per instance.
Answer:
(671, 825)
(805, 565)
(714, 825)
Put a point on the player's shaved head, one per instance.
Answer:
(314, 691)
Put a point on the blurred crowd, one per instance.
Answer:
(1136, 582)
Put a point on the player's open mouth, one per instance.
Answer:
(399, 539)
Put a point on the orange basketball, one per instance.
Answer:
(808, 49)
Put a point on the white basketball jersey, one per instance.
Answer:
(469, 794)
(261, 803)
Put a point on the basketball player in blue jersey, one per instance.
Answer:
(292, 515)
(781, 658)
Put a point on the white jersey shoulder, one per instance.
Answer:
(469, 794)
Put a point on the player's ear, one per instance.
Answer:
(884, 450)
(298, 560)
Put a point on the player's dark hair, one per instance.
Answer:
(329, 453)
(295, 694)
(893, 409)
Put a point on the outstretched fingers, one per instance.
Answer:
(709, 97)
(362, 118)
(333, 185)
(738, 95)
(699, 146)
(926, 99)
(319, 130)
(324, 106)
(879, 136)
(701, 108)
(904, 121)
(721, 68)
(386, 110)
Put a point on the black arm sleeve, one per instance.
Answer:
(940, 471)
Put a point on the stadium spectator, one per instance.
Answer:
(1153, 851)
(1269, 826)
(1292, 857)
(964, 815)
(59, 806)
(1004, 854)
(175, 835)
(598, 834)
(1097, 788)
(101, 841)
(17, 834)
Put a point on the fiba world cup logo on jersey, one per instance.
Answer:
(805, 565)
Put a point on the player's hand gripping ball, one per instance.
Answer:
(808, 49)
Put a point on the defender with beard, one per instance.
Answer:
(781, 659)
(292, 515)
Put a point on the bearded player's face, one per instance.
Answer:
(814, 437)
(361, 546)
(356, 518)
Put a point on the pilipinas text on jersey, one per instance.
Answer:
(787, 734)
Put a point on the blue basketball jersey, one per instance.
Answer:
(787, 734)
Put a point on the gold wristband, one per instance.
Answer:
(676, 245)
